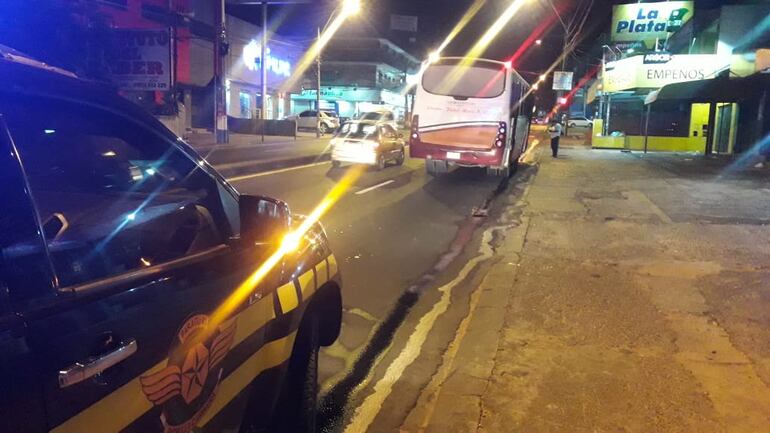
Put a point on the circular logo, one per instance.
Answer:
(187, 386)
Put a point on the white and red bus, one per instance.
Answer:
(470, 112)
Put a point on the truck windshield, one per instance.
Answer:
(465, 81)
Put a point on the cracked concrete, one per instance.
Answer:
(628, 298)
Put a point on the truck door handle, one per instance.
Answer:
(92, 366)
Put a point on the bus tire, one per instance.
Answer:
(434, 168)
(499, 172)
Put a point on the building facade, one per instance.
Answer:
(725, 44)
(163, 59)
(357, 75)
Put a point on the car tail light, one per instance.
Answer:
(502, 131)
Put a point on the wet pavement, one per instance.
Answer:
(394, 234)
(600, 291)
(626, 293)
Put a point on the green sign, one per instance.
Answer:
(649, 21)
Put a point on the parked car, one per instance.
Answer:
(127, 266)
(381, 116)
(308, 120)
(368, 142)
(580, 121)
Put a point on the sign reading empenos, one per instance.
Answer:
(653, 71)
(649, 21)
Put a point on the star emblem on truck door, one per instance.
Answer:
(187, 386)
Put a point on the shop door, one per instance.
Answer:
(722, 136)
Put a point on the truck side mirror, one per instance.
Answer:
(263, 219)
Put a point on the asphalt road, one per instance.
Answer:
(390, 233)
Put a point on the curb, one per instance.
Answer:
(257, 166)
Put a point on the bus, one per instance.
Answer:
(470, 112)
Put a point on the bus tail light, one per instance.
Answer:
(414, 133)
(502, 131)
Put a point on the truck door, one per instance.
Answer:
(137, 234)
(22, 265)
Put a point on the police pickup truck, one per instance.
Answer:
(139, 291)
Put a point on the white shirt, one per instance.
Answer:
(555, 130)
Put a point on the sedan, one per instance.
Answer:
(308, 119)
(367, 142)
(582, 122)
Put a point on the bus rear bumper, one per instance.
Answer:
(456, 156)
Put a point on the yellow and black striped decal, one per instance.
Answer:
(126, 404)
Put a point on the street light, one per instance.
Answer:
(535, 86)
(538, 42)
(542, 77)
(433, 57)
(348, 8)
(351, 7)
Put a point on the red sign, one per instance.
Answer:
(141, 59)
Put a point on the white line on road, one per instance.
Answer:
(372, 188)
(268, 173)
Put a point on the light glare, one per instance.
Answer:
(351, 7)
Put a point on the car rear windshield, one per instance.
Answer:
(374, 115)
(478, 80)
(357, 130)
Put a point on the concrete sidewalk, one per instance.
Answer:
(206, 140)
(247, 153)
(629, 293)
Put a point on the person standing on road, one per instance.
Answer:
(555, 131)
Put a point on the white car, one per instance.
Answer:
(582, 122)
(308, 119)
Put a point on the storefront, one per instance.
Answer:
(351, 101)
(739, 109)
(243, 79)
(627, 123)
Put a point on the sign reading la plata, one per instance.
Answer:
(649, 21)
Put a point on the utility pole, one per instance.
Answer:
(220, 42)
(263, 67)
(561, 92)
(318, 86)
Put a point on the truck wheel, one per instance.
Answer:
(430, 171)
(298, 406)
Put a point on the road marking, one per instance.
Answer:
(368, 410)
(268, 173)
(372, 188)
(433, 389)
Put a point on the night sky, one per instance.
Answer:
(435, 20)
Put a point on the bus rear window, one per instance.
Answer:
(464, 81)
